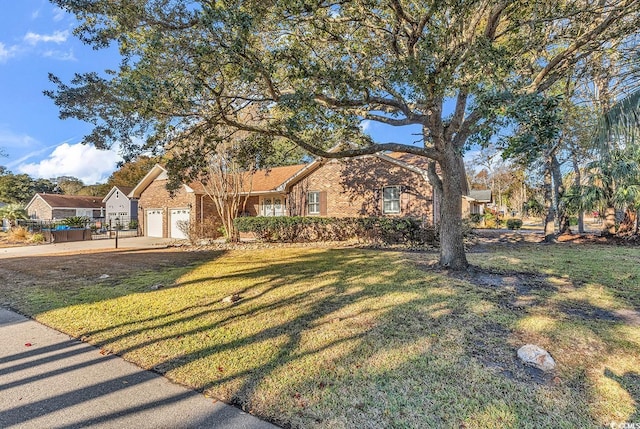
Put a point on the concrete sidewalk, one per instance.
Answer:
(48, 380)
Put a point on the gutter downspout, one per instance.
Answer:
(201, 215)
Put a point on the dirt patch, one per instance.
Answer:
(89, 267)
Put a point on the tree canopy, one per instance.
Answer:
(20, 188)
(310, 72)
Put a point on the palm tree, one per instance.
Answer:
(614, 177)
(621, 122)
(13, 212)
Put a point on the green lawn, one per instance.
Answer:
(362, 338)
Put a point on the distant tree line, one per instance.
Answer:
(20, 188)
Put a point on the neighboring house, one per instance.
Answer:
(119, 206)
(372, 185)
(55, 206)
(476, 202)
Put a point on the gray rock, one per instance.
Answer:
(104, 276)
(537, 357)
(231, 298)
(156, 286)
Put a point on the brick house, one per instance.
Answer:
(371, 185)
(54, 206)
(476, 202)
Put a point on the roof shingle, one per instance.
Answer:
(72, 201)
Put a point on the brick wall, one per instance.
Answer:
(353, 187)
(39, 210)
(156, 196)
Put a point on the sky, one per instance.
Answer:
(36, 39)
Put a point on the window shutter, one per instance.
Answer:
(323, 203)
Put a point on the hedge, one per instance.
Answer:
(310, 229)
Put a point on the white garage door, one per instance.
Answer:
(154, 223)
(179, 222)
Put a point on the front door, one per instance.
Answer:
(273, 206)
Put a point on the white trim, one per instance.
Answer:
(34, 198)
(111, 191)
(399, 188)
(309, 212)
(156, 172)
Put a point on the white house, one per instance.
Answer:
(118, 205)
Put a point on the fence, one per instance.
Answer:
(84, 229)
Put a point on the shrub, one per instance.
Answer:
(208, 228)
(514, 223)
(133, 224)
(476, 218)
(309, 229)
(38, 237)
(75, 221)
(18, 233)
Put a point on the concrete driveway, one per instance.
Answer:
(81, 246)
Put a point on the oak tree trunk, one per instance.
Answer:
(452, 253)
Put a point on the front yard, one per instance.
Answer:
(363, 338)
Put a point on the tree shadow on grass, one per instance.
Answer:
(630, 381)
(346, 337)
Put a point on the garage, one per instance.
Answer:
(154, 223)
(179, 221)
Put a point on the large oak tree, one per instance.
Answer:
(312, 71)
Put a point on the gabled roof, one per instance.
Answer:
(260, 181)
(410, 159)
(124, 190)
(279, 179)
(156, 172)
(272, 179)
(56, 201)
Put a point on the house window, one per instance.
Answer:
(273, 206)
(391, 199)
(313, 203)
(267, 207)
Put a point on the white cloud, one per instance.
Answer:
(57, 37)
(85, 162)
(60, 55)
(11, 139)
(35, 14)
(58, 14)
(7, 52)
(366, 125)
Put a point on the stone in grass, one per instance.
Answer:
(104, 276)
(537, 357)
(231, 298)
(156, 286)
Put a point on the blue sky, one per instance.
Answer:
(35, 39)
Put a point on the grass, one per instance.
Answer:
(357, 338)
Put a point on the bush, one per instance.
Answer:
(133, 224)
(514, 223)
(476, 218)
(18, 233)
(309, 229)
(38, 237)
(75, 221)
(208, 228)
